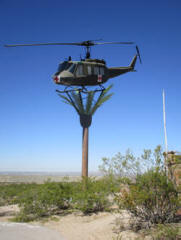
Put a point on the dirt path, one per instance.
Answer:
(74, 226)
(77, 227)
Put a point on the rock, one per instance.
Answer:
(148, 238)
(125, 235)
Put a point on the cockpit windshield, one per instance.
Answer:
(66, 66)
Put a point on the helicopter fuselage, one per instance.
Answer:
(89, 72)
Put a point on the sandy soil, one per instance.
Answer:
(7, 212)
(74, 226)
(78, 227)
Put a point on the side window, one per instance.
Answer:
(79, 70)
(89, 70)
(96, 70)
(101, 71)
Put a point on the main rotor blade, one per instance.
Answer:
(85, 43)
(40, 44)
(100, 43)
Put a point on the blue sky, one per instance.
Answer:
(40, 133)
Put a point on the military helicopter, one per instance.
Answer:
(87, 71)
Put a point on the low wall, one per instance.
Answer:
(173, 163)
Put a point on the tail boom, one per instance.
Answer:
(116, 71)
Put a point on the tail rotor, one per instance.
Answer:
(138, 53)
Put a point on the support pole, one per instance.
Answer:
(85, 138)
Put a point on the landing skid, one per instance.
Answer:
(81, 89)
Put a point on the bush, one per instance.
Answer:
(91, 198)
(44, 200)
(166, 232)
(120, 165)
(50, 198)
(12, 193)
(152, 198)
(129, 166)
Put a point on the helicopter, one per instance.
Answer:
(87, 71)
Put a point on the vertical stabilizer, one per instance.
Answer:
(133, 62)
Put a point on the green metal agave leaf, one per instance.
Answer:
(89, 102)
(69, 101)
(78, 101)
(66, 99)
(87, 107)
(102, 98)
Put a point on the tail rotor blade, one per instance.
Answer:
(138, 53)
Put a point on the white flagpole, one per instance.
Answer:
(165, 132)
(164, 121)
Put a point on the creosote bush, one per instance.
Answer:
(129, 166)
(166, 232)
(146, 193)
(12, 193)
(51, 198)
(93, 197)
(44, 200)
(152, 198)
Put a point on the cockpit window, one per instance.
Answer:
(64, 66)
(72, 68)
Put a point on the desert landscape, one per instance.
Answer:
(74, 225)
(77, 226)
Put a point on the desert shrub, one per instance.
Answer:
(144, 188)
(7, 193)
(129, 166)
(12, 193)
(166, 232)
(91, 198)
(44, 200)
(163, 232)
(152, 198)
(120, 165)
(158, 232)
